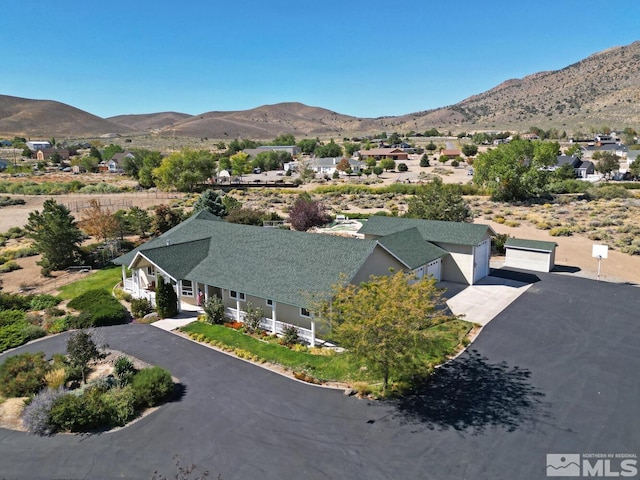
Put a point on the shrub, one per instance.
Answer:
(9, 266)
(43, 301)
(140, 307)
(23, 375)
(402, 167)
(214, 310)
(252, 318)
(7, 317)
(121, 404)
(166, 299)
(36, 416)
(498, 242)
(56, 378)
(99, 308)
(80, 413)
(560, 232)
(290, 336)
(16, 334)
(124, 369)
(152, 386)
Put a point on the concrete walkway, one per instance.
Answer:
(188, 314)
(482, 302)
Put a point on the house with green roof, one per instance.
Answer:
(283, 272)
(467, 245)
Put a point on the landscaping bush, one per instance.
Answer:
(166, 299)
(56, 378)
(7, 317)
(152, 386)
(290, 336)
(19, 333)
(43, 301)
(402, 167)
(124, 370)
(99, 308)
(252, 318)
(121, 404)
(498, 242)
(10, 266)
(80, 413)
(140, 307)
(214, 310)
(23, 375)
(36, 416)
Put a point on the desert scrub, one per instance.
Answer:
(560, 232)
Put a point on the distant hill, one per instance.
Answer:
(149, 121)
(603, 89)
(47, 118)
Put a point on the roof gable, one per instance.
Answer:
(409, 247)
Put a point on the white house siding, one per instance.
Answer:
(529, 259)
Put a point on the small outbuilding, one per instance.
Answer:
(533, 255)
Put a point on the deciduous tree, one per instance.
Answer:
(99, 222)
(306, 213)
(81, 350)
(185, 170)
(439, 201)
(386, 322)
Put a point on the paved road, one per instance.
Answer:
(556, 372)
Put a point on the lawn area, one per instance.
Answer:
(444, 340)
(104, 279)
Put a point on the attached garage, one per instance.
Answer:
(530, 254)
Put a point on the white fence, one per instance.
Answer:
(276, 327)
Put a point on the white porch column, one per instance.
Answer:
(124, 277)
(237, 307)
(179, 292)
(273, 318)
(313, 333)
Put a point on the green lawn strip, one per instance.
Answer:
(104, 279)
(444, 340)
(337, 368)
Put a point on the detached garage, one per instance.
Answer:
(530, 254)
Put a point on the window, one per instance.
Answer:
(304, 312)
(151, 271)
(187, 288)
(269, 303)
(236, 295)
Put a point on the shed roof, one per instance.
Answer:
(536, 245)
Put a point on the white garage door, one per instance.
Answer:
(434, 269)
(481, 260)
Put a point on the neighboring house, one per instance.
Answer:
(47, 153)
(468, 245)
(5, 143)
(327, 165)
(380, 153)
(115, 164)
(3, 165)
(450, 153)
(286, 272)
(581, 168)
(292, 149)
(617, 149)
(37, 145)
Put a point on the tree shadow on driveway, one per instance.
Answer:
(471, 395)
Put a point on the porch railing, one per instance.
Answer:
(267, 324)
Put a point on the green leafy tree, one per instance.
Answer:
(469, 149)
(634, 168)
(515, 170)
(214, 310)
(250, 216)
(439, 201)
(271, 160)
(185, 170)
(432, 147)
(285, 139)
(90, 164)
(142, 166)
(138, 221)
(388, 164)
(110, 151)
(308, 145)
(330, 150)
(370, 162)
(574, 151)
(239, 163)
(166, 299)
(386, 323)
(211, 201)
(164, 219)
(95, 153)
(82, 350)
(424, 161)
(607, 162)
(377, 170)
(56, 236)
(351, 148)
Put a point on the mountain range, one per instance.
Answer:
(603, 89)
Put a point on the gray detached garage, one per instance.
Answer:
(530, 254)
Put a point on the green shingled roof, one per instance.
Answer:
(281, 265)
(531, 244)
(411, 249)
(457, 233)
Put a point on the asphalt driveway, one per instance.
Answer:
(556, 372)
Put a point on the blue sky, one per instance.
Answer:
(361, 58)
